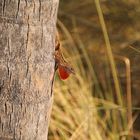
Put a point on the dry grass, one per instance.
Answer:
(85, 108)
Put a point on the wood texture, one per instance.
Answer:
(27, 39)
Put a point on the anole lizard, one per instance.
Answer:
(63, 67)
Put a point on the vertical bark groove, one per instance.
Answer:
(3, 6)
(39, 9)
(18, 8)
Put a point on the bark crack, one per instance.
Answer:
(1, 85)
(27, 64)
(42, 35)
(9, 47)
(3, 7)
(52, 83)
(26, 2)
(10, 78)
(34, 6)
(8, 69)
(28, 30)
(5, 108)
(10, 121)
(37, 126)
(27, 41)
(39, 9)
(18, 8)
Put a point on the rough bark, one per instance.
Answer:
(27, 37)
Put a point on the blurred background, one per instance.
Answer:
(101, 40)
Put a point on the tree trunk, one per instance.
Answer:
(27, 38)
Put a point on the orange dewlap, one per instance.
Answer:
(63, 73)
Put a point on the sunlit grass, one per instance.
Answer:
(76, 113)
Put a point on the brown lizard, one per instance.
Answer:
(64, 67)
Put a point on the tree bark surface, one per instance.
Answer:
(27, 38)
